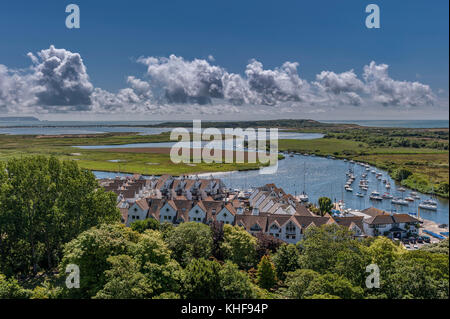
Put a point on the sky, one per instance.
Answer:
(225, 59)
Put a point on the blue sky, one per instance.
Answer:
(319, 35)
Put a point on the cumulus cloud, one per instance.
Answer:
(278, 85)
(185, 81)
(61, 80)
(387, 91)
(57, 81)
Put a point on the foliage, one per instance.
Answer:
(124, 280)
(239, 246)
(265, 274)
(236, 284)
(91, 250)
(200, 279)
(217, 237)
(321, 246)
(189, 241)
(334, 285)
(297, 282)
(286, 259)
(45, 203)
(266, 244)
(325, 205)
(142, 225)
(10, 289)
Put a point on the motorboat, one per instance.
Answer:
(409, 199)
(359, 194)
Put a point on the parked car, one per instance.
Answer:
(412, 240)
(416, 247)
(407, 246)
(419, 240)
(426, 239)
(405, 241)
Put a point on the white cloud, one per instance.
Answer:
(389, 92)
(57, 81)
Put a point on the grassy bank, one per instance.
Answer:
(149, 161)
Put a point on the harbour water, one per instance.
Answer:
(320, 176)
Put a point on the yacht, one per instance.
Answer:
(399, 201)
(375, 196)
(348, 189)
(401, 189)
(428, 204)
(303, 197)
(409, 199)
(387, 196)
(388, 185)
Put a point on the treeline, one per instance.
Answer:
(197, 261)
(395, 137)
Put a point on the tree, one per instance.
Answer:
(334, 285)
(217, 236)
(239, 246)
(325, 205)
(201, 279)
(189, 241)
(236, 284)
(352, 265)
(286, 259)
(419, 275)
(266, 274)
(266, 244)
(124, 280)
(401, 173)
(10, 289)
(142, 225)
(45, 203)
(297, 282)
(155, 262)
(90, 252)
(320, 246)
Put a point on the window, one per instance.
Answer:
(290, 228)
(167, 209)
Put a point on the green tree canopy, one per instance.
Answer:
(265, 274)
(239, 246)
(286, 259)
(45, 203)
(325, 205)
(189, 241)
